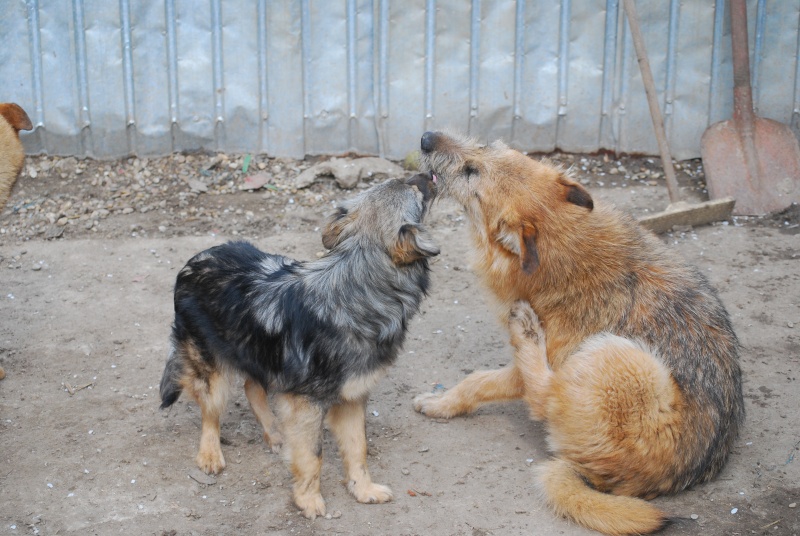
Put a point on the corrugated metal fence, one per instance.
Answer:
(296, 77)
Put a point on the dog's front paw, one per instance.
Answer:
(524, 325)
(311, 505)
(211, 461)
(371, 493)
(433, 405)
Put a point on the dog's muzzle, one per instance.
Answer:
(425, 183)
(427, 145)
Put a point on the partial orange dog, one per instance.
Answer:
(624, 352)
(12, 154)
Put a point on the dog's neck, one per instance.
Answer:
(358, 277)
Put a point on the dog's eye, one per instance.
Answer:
(470, 171)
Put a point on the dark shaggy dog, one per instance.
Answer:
(319, 334)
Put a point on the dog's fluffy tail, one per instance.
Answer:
(170, 385)
(570, 496)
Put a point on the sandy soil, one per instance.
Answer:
(84, 337)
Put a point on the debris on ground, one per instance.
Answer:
(348, 172)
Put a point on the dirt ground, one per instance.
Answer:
(84, 448)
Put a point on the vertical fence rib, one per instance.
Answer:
(85, 121)
(172, 69)
(263, 87)
(35, 45)
(382, 88)
(563, 57)
(217, 73)
(352, 82)
(669, 77)
(624, 85)
(474, 60)
(519, 59)
(609, 64)
(796, 104)
(716, 59)
(127, 74)
(430, 51)
(305, 50)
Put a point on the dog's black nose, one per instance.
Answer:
(428, 142)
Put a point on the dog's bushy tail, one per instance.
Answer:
(570, 496)
(170, 385)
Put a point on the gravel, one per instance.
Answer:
(199, 194)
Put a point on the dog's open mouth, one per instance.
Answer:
(425, 183)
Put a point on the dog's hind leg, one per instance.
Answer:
(301, 420)
(257, 397)
(473, 391)
(211, 394)
(348, 423)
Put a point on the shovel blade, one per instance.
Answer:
(777, 181)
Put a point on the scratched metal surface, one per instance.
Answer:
(296, 77)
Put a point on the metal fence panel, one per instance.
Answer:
(296, 77)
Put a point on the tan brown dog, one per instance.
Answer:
(12, 154)
(637, 379)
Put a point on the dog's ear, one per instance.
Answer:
(576, 194)
(530, 253)
(413, 243)
(521, 241)
(15, 116)
(334, 227)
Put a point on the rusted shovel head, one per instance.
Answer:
(777, 165)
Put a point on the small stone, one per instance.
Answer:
(790, 324)
(200, 477)
(694, 516)
(793, 505)
(197, 186)
(407, 472)
(423, 449)
(54, 231)
(255, 181)
(36, 267)
(336, 515)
